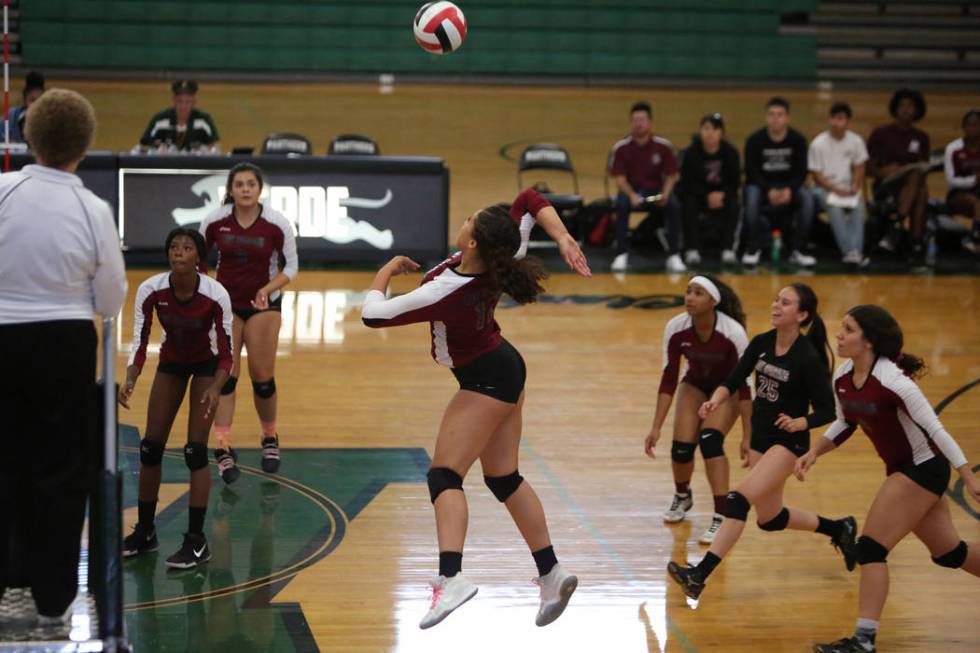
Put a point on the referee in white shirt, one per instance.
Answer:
(59, 265)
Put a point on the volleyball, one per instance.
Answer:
(440, 27)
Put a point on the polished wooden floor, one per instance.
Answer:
(593, 373)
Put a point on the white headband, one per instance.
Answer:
(706, 283)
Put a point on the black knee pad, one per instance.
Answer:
(151, 452)
(736, 506)
(712, 443)
(870, 550)
(953, 559)
(504, 486)
(229, 387)
(682, 452)
(442, 479)
(196, 455)
(265, 389)
(778, 522)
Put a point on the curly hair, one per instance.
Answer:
(194, 235)
(60, 127)
(497, 241)
(912, 94)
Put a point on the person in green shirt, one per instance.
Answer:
(181, 128)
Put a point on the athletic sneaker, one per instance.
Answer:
(270, 454)
(141, 540)
(680, 504)
(227, 465)
(846, 645)
(192, 552)
(688, 578)
(846, 542)
(892, 238)
(675, 264)
(751, 259)
(970, 244)
(557, 587)
(620, 263)
(728, 257)
(801, 259)
(709, 535)
(447, 595)
(692, 257)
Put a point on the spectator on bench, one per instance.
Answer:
(644, 165)
(33, 89)
(896, 147)
(182, 128)
(836, 160)
(775, 168)
(962, 167)
(710, 177)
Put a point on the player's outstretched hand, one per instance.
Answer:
(573, 255)
(401, 265)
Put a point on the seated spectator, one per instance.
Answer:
(962, 167)
(775, 168)
(33, 88)
(710, 177)
(897, 149)
(644, 165)
(181, 128)
(836, 160)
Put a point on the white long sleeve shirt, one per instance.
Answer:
(59, 249)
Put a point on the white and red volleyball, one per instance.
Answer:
(440, 27)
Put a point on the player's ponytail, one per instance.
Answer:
(817, 331)
(885, 335)
(498, 239)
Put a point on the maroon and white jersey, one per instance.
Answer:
(459, 307)
(250, 258)
(891, 409)
(961, 165)
(193, 331)
(708, 363)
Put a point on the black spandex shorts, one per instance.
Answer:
(707, 388)
(245, 313)
(499, 374)
(933, 474)
(796, 443)
(207, 367)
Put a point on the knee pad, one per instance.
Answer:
(442, 479)
(778, 522)
(953, 559)
(736, 506)
(265, 389)
(712, 443)
(682, 452)
(504, 486)
(196, 455)
(151, 452)
(229, 387)
(870, 550)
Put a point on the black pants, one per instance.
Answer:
(722, 221)
(47, 400)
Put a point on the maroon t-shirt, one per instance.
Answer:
(645, 166)
(892, 144)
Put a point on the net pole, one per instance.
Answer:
(6, 85)
(111, 627)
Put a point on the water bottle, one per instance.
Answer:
(777, 245)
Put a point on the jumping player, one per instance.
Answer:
(710, 334)
(791, 373)
(483, 419)
(256, 258)
(875, 389)
(195, 313)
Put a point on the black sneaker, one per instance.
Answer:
(192, 552)
(141, 540)
(917, 259)
(846, 542)
(892, 238)
(688, 578)
(270, 454)
(846, 645)
(227, 465)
